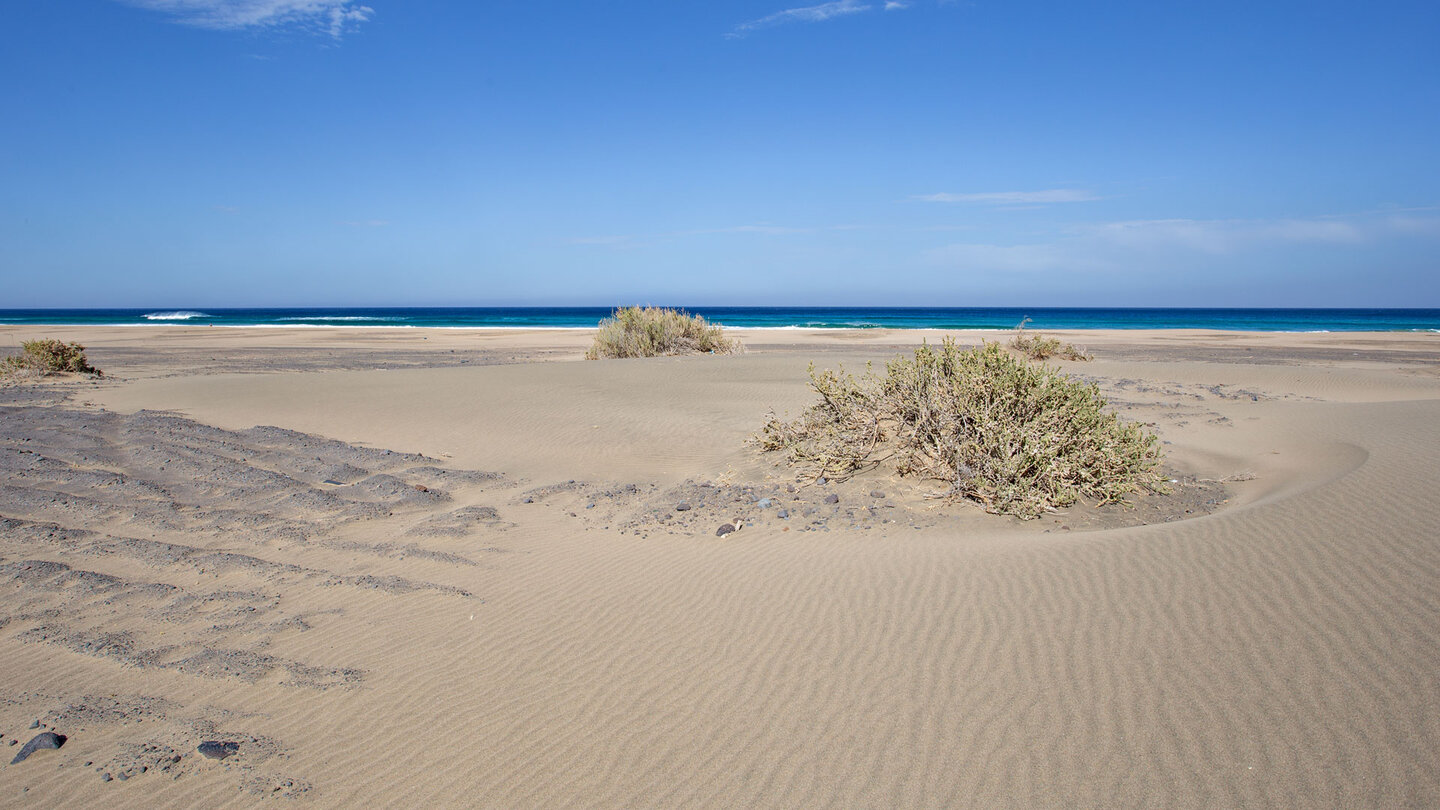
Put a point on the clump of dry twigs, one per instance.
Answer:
(657, 331)
(1038, 347)
(1018, 437)
(48, 356)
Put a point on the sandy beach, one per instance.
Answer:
(454, 567)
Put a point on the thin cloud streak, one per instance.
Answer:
(1054, 195)
(819, 13)
(332, 17)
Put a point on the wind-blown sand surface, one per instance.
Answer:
(406, 567)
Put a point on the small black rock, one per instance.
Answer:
(34, 724)
(214, 749)
(45, 739)
(832, 498)
(725, 528)
(783, 514)
(683, 506)
(107, 778)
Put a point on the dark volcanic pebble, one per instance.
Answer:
(783, 514)
(213, 749)
(832, 498)
(45, 739)
(683, 506)
(106, 778)
(725, 528)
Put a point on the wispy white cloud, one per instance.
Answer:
(895, 5)
(331, 17)
(615, 241)
(1054, 195)
(768, 230)
(817, 13)
(1219, 236)
(1113, 246)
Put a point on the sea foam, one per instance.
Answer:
(178, 315)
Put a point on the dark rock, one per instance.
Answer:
(214, 749)
(123, 776)
(725, 528)
(832, 498)
(783, 514)
(683, 506)
(45, 739)
(107, 778)
(34, 724)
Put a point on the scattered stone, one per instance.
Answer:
(822, 480)
(214, 749)
(764, 503)
(45, 739)
(875, 493)
(34, 724)
(783, 514)
(832, 498)
(725, 528)
(683, 506)
(107, 778)
(123, 776)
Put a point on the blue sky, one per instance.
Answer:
(210, 153)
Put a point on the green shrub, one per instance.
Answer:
(1018, 437)
(1039, 347)
(656, 331)
(50, 357)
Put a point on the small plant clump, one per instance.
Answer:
(1018, 437)
(1039, 347)
(49, 356)
(657, 331)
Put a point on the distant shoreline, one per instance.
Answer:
(968, 319)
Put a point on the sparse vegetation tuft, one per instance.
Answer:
(1038, 347)
(1018, 437)
(657, 331)
(49, 356)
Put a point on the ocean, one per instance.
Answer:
(954, 318)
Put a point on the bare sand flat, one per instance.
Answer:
(447, 566)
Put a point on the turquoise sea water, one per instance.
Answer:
(957, 318)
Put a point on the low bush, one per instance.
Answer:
(1039, 347)
(50, 357)
(1018, 437)
(657, 331)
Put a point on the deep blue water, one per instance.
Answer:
(1266, 320)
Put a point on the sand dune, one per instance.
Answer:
(468, 584)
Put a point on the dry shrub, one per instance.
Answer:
(1018, 437)
(49, 356)
(1039, 347)
(657, 331)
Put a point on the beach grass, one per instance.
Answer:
(1018, 437)
(658, 331)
